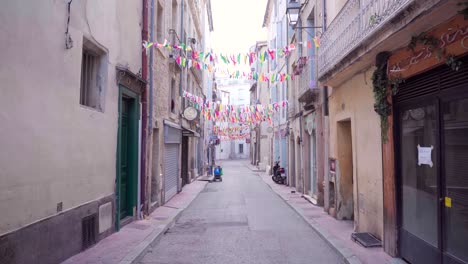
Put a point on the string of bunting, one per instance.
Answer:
(229, 130)
(234, 59)
(249, 114)
(234, 137)
(261, 77)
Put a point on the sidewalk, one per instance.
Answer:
(132, 241)
(336, 232)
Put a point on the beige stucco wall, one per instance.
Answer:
(354, 101)
(52, 148)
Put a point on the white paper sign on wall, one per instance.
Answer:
(425, 155)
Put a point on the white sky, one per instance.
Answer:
(237, 24)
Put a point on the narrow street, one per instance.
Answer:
(240, 220)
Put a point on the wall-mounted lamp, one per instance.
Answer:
(293, 12)
(293, 9)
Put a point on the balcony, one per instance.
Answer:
(357, 22)
(307, 90)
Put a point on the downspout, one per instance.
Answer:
(301, 154)
(144, 104)
(326, 133)
(181, 79)
(325, 88)
(151, 26)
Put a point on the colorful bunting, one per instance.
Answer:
(247, 114)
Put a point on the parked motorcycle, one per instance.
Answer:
(279, 174)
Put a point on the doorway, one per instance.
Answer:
(345, 181)
(292, 162)
(432, 153)
(313, 166)
(185, 161)
(127, 157)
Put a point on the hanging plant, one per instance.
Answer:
(453, 62)
(374, 19)
(433, 45)
(395, 83)
(429, 41)
(381, 83)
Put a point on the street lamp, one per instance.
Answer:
(293, 9)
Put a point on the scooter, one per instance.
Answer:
(279, 174)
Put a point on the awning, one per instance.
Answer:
(189, 133)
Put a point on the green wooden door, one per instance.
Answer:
(124, 173)
(127, 155)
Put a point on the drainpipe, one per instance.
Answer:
(144, 104)
(325, 88)
(301, 154)
(326, 191)
(151, 69)
(181, 79)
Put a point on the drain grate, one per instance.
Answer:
(88, 231)
(366, 240)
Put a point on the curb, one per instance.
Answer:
(248, 166)
(152, 239)
(347, 255)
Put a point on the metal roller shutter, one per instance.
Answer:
(433, 82)
(172, 171)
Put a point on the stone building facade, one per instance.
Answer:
(175, 162)
(64, 98)
(356, 154)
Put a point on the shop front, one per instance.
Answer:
(430, 140)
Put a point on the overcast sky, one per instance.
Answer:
(237, 24)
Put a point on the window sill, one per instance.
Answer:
(91, 109)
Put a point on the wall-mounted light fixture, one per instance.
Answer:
(293, 12)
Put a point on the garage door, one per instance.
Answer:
(172, 170)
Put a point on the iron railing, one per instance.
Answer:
(307, 79)
(357, 21)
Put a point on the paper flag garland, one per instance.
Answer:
(248, 114)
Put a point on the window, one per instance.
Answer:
(159, 25)
(284, 98)
(174, 15)
(91, 82)
(241, 148)
(173, 98)
(187, 88)
(273, 46)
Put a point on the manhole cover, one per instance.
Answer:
(366, 239)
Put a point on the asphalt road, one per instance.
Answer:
(240, 220)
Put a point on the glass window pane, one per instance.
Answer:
(456, 178)
(419, 181)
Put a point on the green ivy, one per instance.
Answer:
(381, 83)
(431, 42)
(453, 62)
(433, 45)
